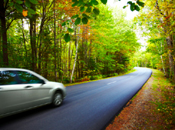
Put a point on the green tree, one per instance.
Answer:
(159, 20)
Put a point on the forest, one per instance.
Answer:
(76, 40)
(158, 20)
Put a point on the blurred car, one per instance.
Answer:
(22, 89)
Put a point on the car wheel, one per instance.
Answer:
(57, 99)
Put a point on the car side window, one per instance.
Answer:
(27, 78)
(8, 78)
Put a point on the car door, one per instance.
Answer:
(11, 93)
(34, 89)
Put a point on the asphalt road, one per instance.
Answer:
(88, 106)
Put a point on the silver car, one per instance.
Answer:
(22, 89)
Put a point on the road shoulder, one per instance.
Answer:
(140, 112)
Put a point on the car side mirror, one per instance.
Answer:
(42, 81)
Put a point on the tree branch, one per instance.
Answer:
(157, 7)
(10, 12)
(6, 4)
(8, 25)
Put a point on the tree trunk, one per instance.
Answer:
(76, 43)
(40, 41)
(55, 55)
(24, 40)
(69, 59)
(171, 60)
(82, 53)
(59, 54)
(45, 65)
(74, 63)
(4, 34)
(33, 40)
(163, 65)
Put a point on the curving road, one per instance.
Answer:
(88, 106)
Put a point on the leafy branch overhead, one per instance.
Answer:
(87, 9)
(24, 7)
(135, 6)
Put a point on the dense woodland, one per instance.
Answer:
(71, 40)
(101, 47)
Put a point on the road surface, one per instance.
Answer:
(88, 106)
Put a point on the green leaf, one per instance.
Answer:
(75, 4)
(77, 21)
(82, 8)
(11, 4)
(70, 30)
(129, 2)
(29, 14)
(60, 35)
(19, 1)
(94, 2)
(18, 7)
(63, 24)
(85, 15)
(124, 7)
(75, 16)
(28, 4)
(84, 20)
(89, 4)
(96, 11)
(34, 1)
(80, 2)
(132, 7)
(31, 11)
(140, 3)
(88, 10)
(104, 1)
(137, 7)
(67, 37)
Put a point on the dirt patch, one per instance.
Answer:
(139, 113)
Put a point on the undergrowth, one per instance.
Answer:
(95, 77)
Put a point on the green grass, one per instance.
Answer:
(166, 103)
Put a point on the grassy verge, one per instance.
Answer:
(86, 79)
(165, 105)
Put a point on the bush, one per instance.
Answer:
(95, 77)
(66, 80)
(85, 79)
(104, 76)
(115, 74)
